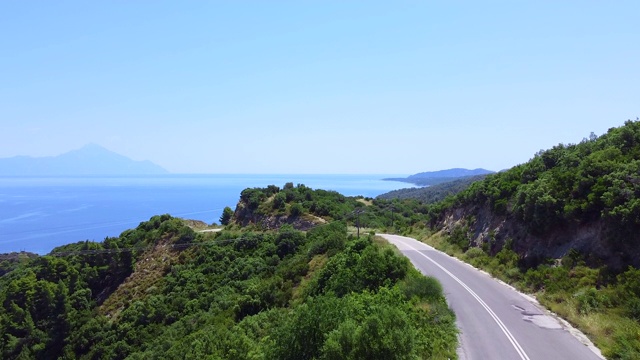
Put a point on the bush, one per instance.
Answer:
(359, 326)
(459, 237)
(632, 308)
(474, 252)
(279, 201)
(422, 287)
(296, 210)
(327, 238)
(362, 266)
(288, 240)
(589, 300)
(226, 216)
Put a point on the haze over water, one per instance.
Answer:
(40, 213)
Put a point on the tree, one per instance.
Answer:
(227, 213)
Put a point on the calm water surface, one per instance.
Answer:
(40, 213)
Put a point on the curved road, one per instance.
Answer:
(495, 321)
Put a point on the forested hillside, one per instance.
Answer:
(163, 291)
(432, 194)
(583, 196)
(565, 226)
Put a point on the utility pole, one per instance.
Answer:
(392, 216)
(358, 212)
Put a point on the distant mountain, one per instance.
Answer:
(91, 159)
(441, 176)
(434, 193)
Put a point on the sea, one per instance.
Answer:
(38, 214)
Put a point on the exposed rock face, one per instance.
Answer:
(11, 260)
(484, 226)
(244, 216)
(15, 256)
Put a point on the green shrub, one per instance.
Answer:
(459, 237)
(474, 252)
(296, 210)
(626, 342)
(422, 287)
(329, 238)
(632, 308)
(590, 300)
(279, 201)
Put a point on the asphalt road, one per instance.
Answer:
(495, 321)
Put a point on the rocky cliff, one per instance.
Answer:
(491, 231)
(244, 216)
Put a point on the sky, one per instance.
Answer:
(312, 87)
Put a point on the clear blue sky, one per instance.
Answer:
(386, 87)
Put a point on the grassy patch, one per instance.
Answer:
(366, 202)
(315, 264)
(152, 267)
(196, 224)
(352, 230)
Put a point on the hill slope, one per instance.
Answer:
(582, 196)
(564, 226)
(163, 291)
(91, 159)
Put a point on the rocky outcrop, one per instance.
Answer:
(244, 216)
(590, 239)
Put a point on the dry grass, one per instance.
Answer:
(150, 269)
(439, 241)
(366, 202)
(315, 264)
(598, 326)
(379, 240)
(195, 224)
(352, 230)
(313, 218)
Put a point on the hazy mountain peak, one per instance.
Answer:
(92, 147)
(91, 159)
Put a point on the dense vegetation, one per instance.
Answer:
(597, 180)
(303, 207)
(581, 201)
(288, 278)
(163, 291)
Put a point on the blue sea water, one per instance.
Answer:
(40, 213)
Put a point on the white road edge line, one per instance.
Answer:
(504, 329)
